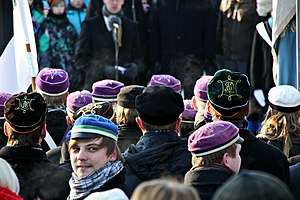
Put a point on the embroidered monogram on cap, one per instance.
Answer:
(24, 104)
(229, 88)
(54, 73)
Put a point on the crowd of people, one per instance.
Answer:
(151, 100)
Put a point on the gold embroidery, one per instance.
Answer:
(229, 88)
(24, 104)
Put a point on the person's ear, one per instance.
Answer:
(6, 128)
(44, 131)
(225, 160)
(194, 100)
(140, 123)
(113, 157)
(69, 121)
(178, 122)
(209, 107)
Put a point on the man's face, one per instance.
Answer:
(235, 163)
(77, 4)
(87, 157)
(113, 6)
(59, 8)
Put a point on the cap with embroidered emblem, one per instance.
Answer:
(93, 126)
(166, 80)
(78, 99)
(228, 92)
(25, 112)
(106, 90)
(213, 137)
(52, 82)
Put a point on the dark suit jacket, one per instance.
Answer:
(38, 177)
(95, 49)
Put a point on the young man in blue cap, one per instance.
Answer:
(228, 100)
(160, 151)
(95, 157)
(215, 149)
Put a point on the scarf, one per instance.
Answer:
(106, 13)
(82, 187)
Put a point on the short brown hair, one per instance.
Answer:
(105, 142)
(125, 115)
(24, 140)
(55, 100)
(215, 157)
(149, 127)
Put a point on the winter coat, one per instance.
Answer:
(207, 179)
(295, 177)
(38, 177)
(257, 155)
(157, 153)
(128, 135)
(95, 53)
(76, 17)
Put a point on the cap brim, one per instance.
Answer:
(84, 135)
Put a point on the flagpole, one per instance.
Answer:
(27, 44)
(297, 42)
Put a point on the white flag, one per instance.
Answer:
(16, 64)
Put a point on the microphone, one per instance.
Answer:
(114, 22)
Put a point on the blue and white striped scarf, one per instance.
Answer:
(82, 187)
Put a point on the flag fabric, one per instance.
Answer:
(17, 65)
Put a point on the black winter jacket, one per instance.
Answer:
(157, 154)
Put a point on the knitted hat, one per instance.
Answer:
(93, 126)
(213, 137)
(76, 100)
(166, 80)
(25, 112)
(126, 97)
(200, 88)
(228, 92)
(263, 7)
(103, 109)
(284, 98)
(249, 185)
(159, 105)
(189, 113)
(4, 96)
(106, 90)
(52, 82)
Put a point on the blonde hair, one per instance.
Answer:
(8, 177)
(279, 125)
(161, 189)
(54, 100)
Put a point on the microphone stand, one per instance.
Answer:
(115, 38)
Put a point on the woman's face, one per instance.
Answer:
(59, 8)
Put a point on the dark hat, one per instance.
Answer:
(93, 126)
(78, 99)
(104, 109)
(126, 97)
(189, 113)
(159, 105)
(106, 90)
(25, 112)
(213, 137)
(284, 98)
(166, 80)
(200, 88)
(4, 96)
(228, 92)
(249, 185)
(52, 82)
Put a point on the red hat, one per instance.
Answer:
(7, 194)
